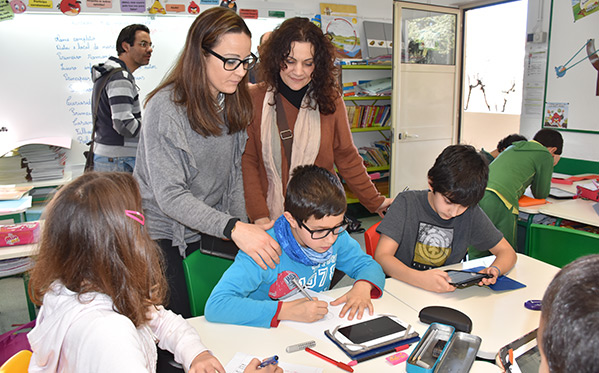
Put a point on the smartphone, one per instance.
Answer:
(372, 331)
(462, 279)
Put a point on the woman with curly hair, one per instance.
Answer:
(299, 118)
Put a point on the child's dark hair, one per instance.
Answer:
(550, 139)
(460, 174)
(570, 317)
(314, 191)
(509, 140)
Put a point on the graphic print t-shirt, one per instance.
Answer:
(433, 246)
(427, 241)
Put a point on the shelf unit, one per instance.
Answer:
(363, 72)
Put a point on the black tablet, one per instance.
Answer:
(462, 279)
(522, 355)
(560, 193)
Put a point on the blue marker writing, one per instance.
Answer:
(271, 360)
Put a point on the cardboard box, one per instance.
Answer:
(19, 234)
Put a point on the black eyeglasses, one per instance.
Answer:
(231, 63)
(319, 234)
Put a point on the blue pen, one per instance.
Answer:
(271, 360)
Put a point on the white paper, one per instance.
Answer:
(241, 360)
(589, 185)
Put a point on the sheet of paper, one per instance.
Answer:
(241, 360)
(329, 322)
(589, 185)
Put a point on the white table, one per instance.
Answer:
(225, 340)
(498, 317)
(578, 210)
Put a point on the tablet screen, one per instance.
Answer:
(529, 361)
(371, 329)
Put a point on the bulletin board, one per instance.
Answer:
(45, 62)
(572, 83)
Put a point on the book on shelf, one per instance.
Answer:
(374, 156)
(377, 87)
(364, 116)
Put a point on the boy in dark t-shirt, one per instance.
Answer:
(424, 230)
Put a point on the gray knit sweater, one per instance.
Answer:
(189, 183)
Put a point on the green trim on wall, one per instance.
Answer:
(571, 166)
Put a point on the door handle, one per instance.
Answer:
(406, 135)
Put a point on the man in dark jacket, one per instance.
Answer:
(119, 112)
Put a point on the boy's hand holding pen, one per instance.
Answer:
(303, 310)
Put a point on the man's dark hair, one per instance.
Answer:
(314, 191)
(128, 35)
(550, 138)
(509, 140)
(570, 317)
(460, 174)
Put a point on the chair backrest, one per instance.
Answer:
(18, 363)
(202, 273)
(371, 239)
(558, 245)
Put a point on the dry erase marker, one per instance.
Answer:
(270, 361)
(300, 346)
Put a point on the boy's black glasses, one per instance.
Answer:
(230, 63)
(319, 234)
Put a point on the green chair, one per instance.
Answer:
(202, 273)
(559, 246)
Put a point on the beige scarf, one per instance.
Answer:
(306, 143)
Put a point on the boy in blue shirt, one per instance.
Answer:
(313, 238)
(423, 230)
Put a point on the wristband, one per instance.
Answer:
(230, 227)
(498, 270)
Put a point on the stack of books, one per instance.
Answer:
(44, 162)
(377, 87)
(12, 170)
(364, 116)
(376, 155)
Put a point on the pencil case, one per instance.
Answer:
(442, 349)
(582, 192)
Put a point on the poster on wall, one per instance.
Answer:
(556, 115)
(344, 35)
(582, 8)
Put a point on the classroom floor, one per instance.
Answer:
(13, 304)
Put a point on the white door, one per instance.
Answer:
(426, 61)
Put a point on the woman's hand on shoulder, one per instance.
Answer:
(264, 223)
(253, 367)
(205, 363)
(384, 206)
(253, 240)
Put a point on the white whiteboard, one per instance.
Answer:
(45, 62)
(577, 87)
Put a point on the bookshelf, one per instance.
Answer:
(369, 116)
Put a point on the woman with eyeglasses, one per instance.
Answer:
(189, 157)
(100, 283)
(299, 118)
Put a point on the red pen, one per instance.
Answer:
(337, 363)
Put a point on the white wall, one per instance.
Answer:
(379, 10)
